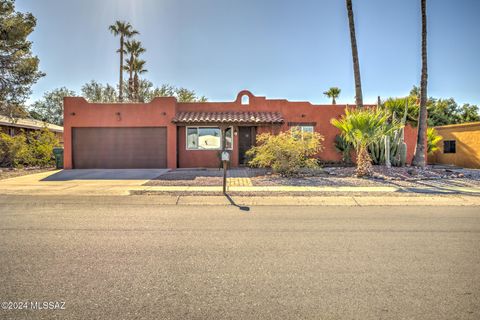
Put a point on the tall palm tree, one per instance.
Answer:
(138, 68)
(333, 93)
(129, 85)
(125, 31)
(419, 157)
(356, 65)
(134, 48)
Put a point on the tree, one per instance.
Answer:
(134, 48)
(166, 90)
(440, 111)
(333, 93)
(468, 113)
(50, 108)
(97, 92)
(419, 157)
(356, 65)
(18, 66)
(362, 128)
(185, 95)
(138, 68)
(125, 31)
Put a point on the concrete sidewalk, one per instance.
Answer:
(346, 201)
(106, 183)
(309, 189)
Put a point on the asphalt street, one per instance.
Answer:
(130, 258)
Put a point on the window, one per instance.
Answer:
(305, 129)
(11, 132)
(449, 146)
(302, 129)
(245, 99)
(208, 138)
(303, 126)
(229, 138)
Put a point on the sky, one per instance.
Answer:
(280, 49)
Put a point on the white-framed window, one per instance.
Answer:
(302, 128)
(208, 138)
(306, 129)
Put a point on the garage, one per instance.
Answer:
(119, 148)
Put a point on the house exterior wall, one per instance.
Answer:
(161, 111)
(467, 141)
(201, 158)
(158, 113)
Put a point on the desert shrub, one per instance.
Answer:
(40, 146)
(33, 149)
(286, 153)
(13, 150)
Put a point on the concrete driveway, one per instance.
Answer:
(106, 174)
(80, 182)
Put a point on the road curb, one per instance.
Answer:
(348, 201)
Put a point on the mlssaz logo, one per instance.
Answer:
(47, 305)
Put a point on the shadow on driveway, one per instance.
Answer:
(106, 174)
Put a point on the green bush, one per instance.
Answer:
(33, 149)
(286, 153)
(40, 145)
(13, 150)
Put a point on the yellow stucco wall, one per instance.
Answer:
(467, 137)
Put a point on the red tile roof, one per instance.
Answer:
(228, 117)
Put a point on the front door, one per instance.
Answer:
(246, 139)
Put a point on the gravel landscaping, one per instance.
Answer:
(383, 176)
(6, 173)
(330, 176)
(201, 177)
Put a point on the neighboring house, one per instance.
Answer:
(168, 134)
(18, 125)
(460, 145)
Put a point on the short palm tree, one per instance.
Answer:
(134, 48)
(362, 128)
(125, 31)
(433, 138)
(333, 93)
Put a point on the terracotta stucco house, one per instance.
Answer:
(17, 126)
(168, 134)
(460, 145)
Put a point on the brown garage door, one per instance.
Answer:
(119, 148)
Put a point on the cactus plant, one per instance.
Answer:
(397, 148)
(386, 140)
